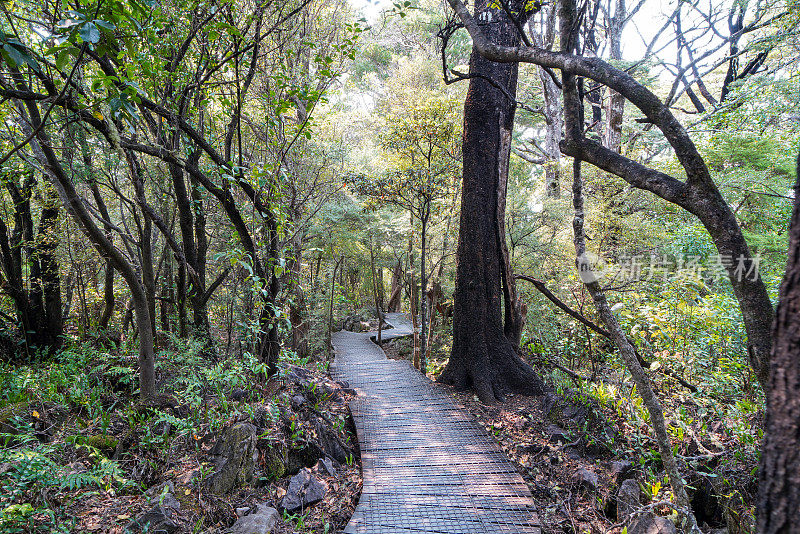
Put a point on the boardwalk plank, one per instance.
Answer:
(428, 467)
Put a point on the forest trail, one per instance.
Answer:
(427, 465)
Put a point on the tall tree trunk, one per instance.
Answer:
(615, 103)
(414, 298)
(513, 306)
(545, 37)
(698, 194)
(167, 292)
(51, 280)
(329, 330)
(298, 305)
(145, 241)
(779, 475)
(395, 297)
(423, 293)
(108, 278)
(377, 293)
(77, 207)
(482, 357)
(574, 122)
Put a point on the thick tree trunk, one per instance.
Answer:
(698, 195)
(779, 475)
(482, 356)
(51, 280)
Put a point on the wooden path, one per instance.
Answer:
(427, 466)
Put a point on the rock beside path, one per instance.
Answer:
(304, 489)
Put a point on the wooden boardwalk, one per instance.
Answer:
(427, 466)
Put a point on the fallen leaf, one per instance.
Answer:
(187, 491)
(280, 492)
(123, 517)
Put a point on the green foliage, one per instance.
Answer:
(32, 472)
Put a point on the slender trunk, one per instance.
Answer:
(108, 295)
(573, 107)
(51, 280)
(77, 207)
(423, 315)
(628, 353)
(615, 103)
(180, 301)
(145, 242)
(167, 292)
(513, 306)
(415, 317)
(298, 305)
(395, 297)
(376, 293)
(329, 345)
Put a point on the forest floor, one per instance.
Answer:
(575, 450)
(79, 455)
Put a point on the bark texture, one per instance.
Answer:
(779, 473)
(482, 356)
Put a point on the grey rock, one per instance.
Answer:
(586, 479)
(304, 489)
(158, 489)
(330, 444)
(169, 501)
(303, 455)
(235, 457)
(628, 499)
(238, 394)
(620, 470)
(298, 401)
(575, 414)
(158, 520)
(298, 375)
(325, 466)
(652, 524)
(262, 417)
(262, 521)
(242, 510)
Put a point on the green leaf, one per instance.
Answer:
(89, 33)
(17, 56)
(105, 25)
(62, 57)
